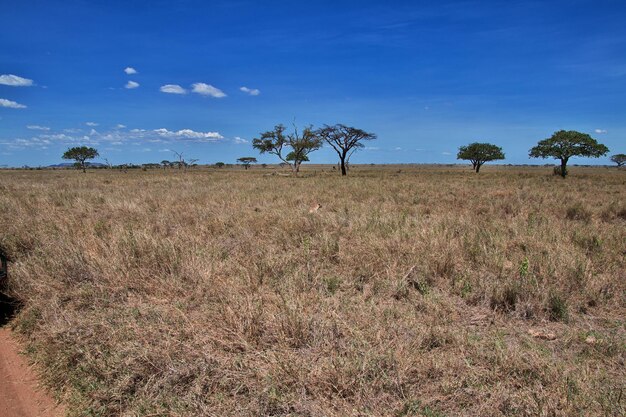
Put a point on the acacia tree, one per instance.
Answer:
(619, 159)
(246, 161)
(276, 141)
(345, 140)
(479, 153)
(563, 145)
(81, 154)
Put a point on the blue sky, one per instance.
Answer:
(426, 77)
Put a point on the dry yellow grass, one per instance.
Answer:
(411, 291)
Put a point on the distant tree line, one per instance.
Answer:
(294, 147)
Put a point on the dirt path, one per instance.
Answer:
(19, 395)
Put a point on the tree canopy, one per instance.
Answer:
(619, 159)
(345, 140)
(564, 144)
(276, 141)
(479, 153)
(80, 154)
(246, 161)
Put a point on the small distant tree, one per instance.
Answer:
(302, 144)
(219, 164)
(563, 145)
(246, 161)
(619, 159)
(345, 140)
(479, 153)
(80, 154)
(165, 163)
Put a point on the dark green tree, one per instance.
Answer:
(276, 142)
(345, 140)
(246, 161)
(619, 159)
(564, 144)
(219, 165)
(80, 154)
(479, 153)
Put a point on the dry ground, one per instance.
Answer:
(411, 292)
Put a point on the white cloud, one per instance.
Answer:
(131, 85)
(189, 134)
(601, 131)
(397, 148)
(11, 104)
(173, 89)
(113, 137)
(91, 124)
(37, 127)
(207, 90)
(446, 153)
(130, 70)
(239, 140)
(371, 148)
(120, 126)
(15, 81)
(251, 91)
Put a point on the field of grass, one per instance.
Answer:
(412, 291)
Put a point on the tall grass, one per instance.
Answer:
(407, 293)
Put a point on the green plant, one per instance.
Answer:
(558, 308)
(479, 153)
(563, 145)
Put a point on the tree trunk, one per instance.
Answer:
(82, 164)
(478, 165)
(343, 166)
(563, 167)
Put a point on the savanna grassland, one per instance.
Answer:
(425, 291)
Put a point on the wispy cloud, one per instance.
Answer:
(189, 134)
(131, 85)
(207, 90)
(239, 141)
(601, 131)
(250, 91)
(446, 153)
(15, 81)
(120, 126)
(37, 127)
(11, 104)
(92, 124)
(130, 70)
(173, 89)
(113, 137)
